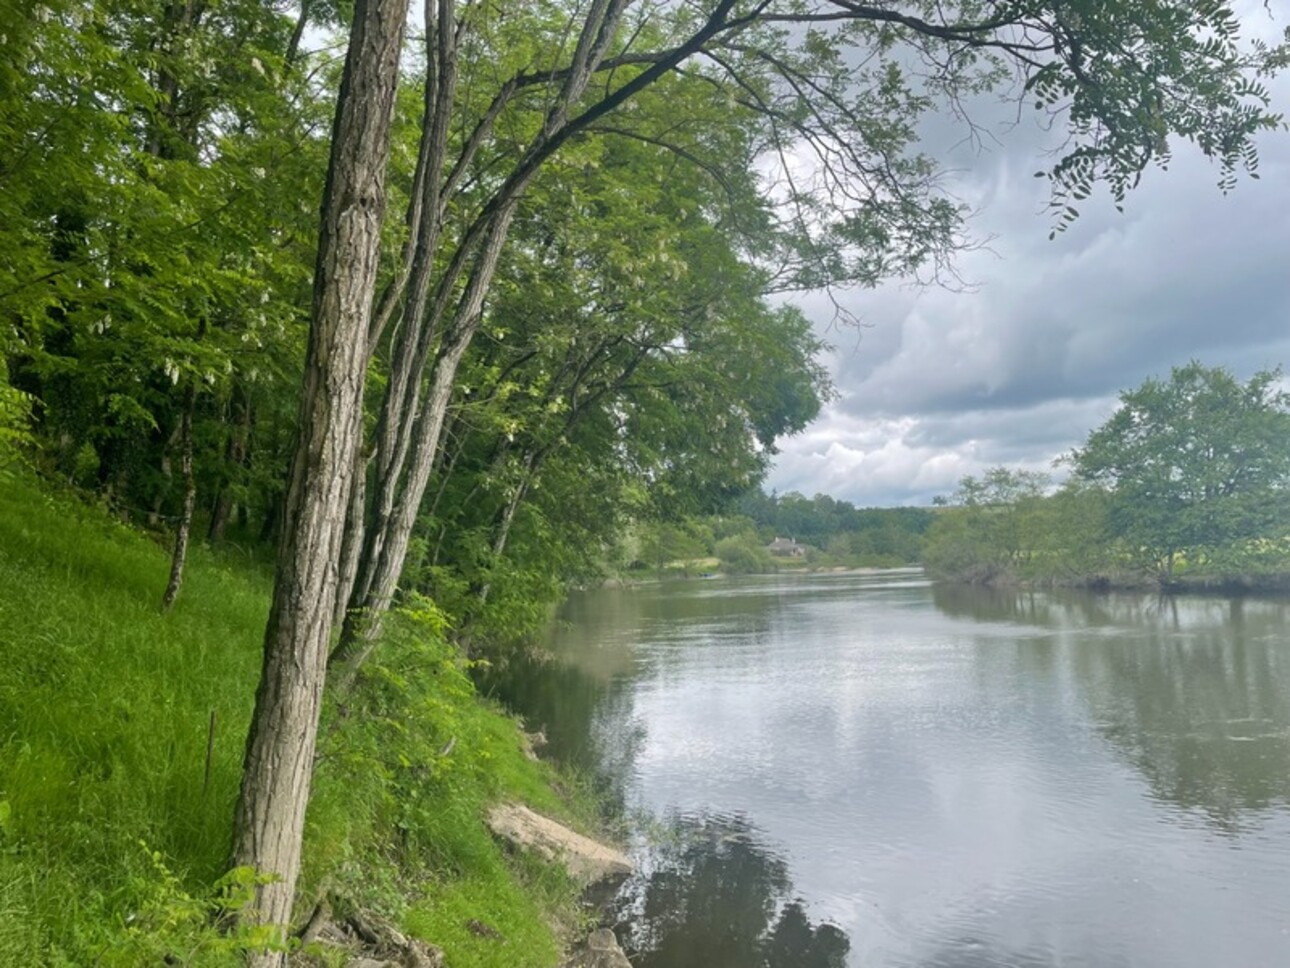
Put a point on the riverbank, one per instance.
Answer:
(678, 574)
(121, 738)
(1275, 584)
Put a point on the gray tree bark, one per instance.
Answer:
(383, 559)
(182, 532)
(277, 770)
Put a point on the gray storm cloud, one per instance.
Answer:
(1021, 365)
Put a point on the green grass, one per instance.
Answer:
(112, 837)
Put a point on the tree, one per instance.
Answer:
(278, 766)
(1073, 535)
(151, 271)
(828, 76)
(593, 394)
(833, 78)
(1198, 466)
(995, 529)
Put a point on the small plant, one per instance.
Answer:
(174, 926)
(15, 433)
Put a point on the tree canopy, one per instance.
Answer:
(1188, 480)
(1198, 466)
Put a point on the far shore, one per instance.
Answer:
(1274, 585)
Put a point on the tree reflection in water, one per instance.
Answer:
(1189, 690)
(715, 896)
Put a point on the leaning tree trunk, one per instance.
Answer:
(414, 427)
(277, 769)
(506, 518)
(382, 567)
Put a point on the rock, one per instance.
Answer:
(477, 927)
(587, 861)
(600, 950)
(533, 744)
(418, 954)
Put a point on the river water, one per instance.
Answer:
(867, 770)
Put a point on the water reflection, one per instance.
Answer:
(971, 952)
(586, 717)
(871, 772)
(1202, 716)
(712, 895)
(1191, 691)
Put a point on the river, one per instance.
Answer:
(868, 770)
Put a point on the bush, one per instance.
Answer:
(742, 555)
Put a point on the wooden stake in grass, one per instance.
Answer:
(210, 754)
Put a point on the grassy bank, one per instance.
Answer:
(115, 823)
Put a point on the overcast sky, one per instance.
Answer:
(940, 384)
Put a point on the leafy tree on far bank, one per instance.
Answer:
(1198, 467)
(1190, 477)
(994, 529)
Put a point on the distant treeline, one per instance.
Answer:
(823, 532)
(1187, 484)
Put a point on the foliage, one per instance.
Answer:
(833, 532)
(146, 242)
(858, 536)
(15, 434)
(1003, 527)
(1134, 76)
(742, 555)
(594, 395)
(1188, 481)
(1198, 467)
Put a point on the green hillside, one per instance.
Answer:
(114, 827)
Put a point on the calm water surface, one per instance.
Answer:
(870, 771)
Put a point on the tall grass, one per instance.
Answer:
(115, 827)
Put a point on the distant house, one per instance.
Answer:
(787, 548)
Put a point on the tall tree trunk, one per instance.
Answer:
(505, 518)
(407, 293)
(235, 455)
(352, 544)
(185, 527)
(269, 823)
